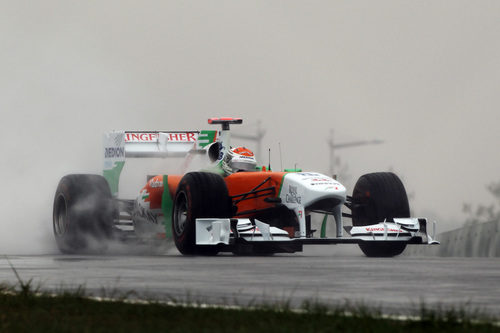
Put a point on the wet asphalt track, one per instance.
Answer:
(331, 275)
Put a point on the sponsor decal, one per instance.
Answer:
(372, 229)
(182, 137)
(144, 195)
(321, 180)
(222, 151)
(249, 158)
(118, 140)
(315, 179)
(141, 137)
(206, 137)
(291, 196)
(155, 183)
(308, 174)
(153, 137)
(114, 152)
(142, 208)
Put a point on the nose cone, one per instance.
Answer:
(324, 187)
(305, 188)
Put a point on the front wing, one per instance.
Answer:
(237, 234)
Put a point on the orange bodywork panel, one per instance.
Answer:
(173, 183)
(153, 190)
(238, 184)
(244, 182)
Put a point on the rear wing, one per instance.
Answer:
(120, 145)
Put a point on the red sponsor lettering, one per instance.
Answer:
(153, 137)
(146, 137)
(141, 137)
(320, 180)
(374, 229)
(382, 229)
(182, 137)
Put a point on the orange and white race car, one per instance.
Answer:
(230, 204)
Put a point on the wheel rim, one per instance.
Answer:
(60, 218)
(180, 214)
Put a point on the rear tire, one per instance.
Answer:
(83, 214)
(379, 197)
(200, 194)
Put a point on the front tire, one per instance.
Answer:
(378, 197)
(83, 214)
(200, 194)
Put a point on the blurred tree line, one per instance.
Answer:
(483, 213)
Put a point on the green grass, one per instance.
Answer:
(26, 310)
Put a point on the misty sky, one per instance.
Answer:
(423, 76)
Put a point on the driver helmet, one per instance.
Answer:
(239, 159)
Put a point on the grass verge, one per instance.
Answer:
(27, 310)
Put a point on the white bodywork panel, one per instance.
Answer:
(302, 189)
(217, 231)
(402, 229)
(212, 231)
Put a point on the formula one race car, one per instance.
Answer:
(230, 205)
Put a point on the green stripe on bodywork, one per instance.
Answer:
(206, 137)
(323, 227)
(113, 176)
(281, 185)
(167, 205)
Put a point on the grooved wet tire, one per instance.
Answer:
(199, 195)
(83, 214)
(377, 197)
